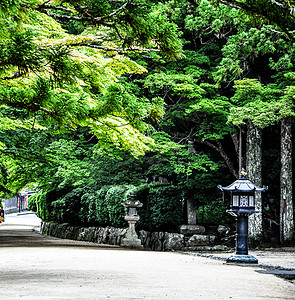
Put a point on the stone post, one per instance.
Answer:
(191, 227)
(191, 212)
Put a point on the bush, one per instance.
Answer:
(162, 207)
(102, 215)
(213, 213)
(86, 206)
(42, 205)
(67, 209)
(32, 203)
(95, 206)
(116, 211)
(88, 209)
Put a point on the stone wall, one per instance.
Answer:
(158, 241)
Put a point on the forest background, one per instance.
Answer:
(102, 97)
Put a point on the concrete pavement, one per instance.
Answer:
(40, 267)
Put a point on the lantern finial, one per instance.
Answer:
(243, 174)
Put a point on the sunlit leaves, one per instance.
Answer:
(208, 18)
(175, 84)
(241, 49)
(19, 53)
(186, 162)
(49, 72)
(120, 134)
(264, 105)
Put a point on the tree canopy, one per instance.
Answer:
(68, 71)
(170, 82)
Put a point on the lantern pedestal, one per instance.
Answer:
(131, 240)
(242, 255)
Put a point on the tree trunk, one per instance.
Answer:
(253, 168)
(286, 198)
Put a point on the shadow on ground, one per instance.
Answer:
(30, 238)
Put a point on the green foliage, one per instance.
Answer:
(213, 213)
(32, 206)
(84, 205)
(176, 83)
(69, 79)
(72, 99)
(162, 207)
(116, 212)
(88, 207)
(279, 13)
(162, 210)
(20, 51)
(101, 212)
(42, 204)
(186, 162)
(218, 18)
(241, 49)
(66, 209)
(264, 105)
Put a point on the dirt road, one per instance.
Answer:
(39, 267)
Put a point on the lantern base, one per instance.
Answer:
(242, 259)
(132, 243)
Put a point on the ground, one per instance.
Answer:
(34, 266)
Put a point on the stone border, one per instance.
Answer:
(157, 241)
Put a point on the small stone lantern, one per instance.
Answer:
(242, 205)
(131, 240)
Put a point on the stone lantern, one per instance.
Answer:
(131, 240)
(242, 205)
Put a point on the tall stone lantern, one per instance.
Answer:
(131, 239)
(242, 205)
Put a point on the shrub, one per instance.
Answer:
(162, 207)
(32, 203)
(102, 215)
(86, 206)
(213, 213)
(67, 209)
(42, 205)
(88, 209)
(116, 211)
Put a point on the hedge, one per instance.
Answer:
(162, 206)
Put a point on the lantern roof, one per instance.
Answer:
(243, 185)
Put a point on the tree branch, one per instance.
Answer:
(99, 19)
(49, 6)
(50, 112)
(16, 75)
(219, 148)
(87, 16)
(278, 32)
(236, 4)
(114, 49)
(227, 160)
(65, 17)
(284, 19)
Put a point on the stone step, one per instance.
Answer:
(191, 229)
